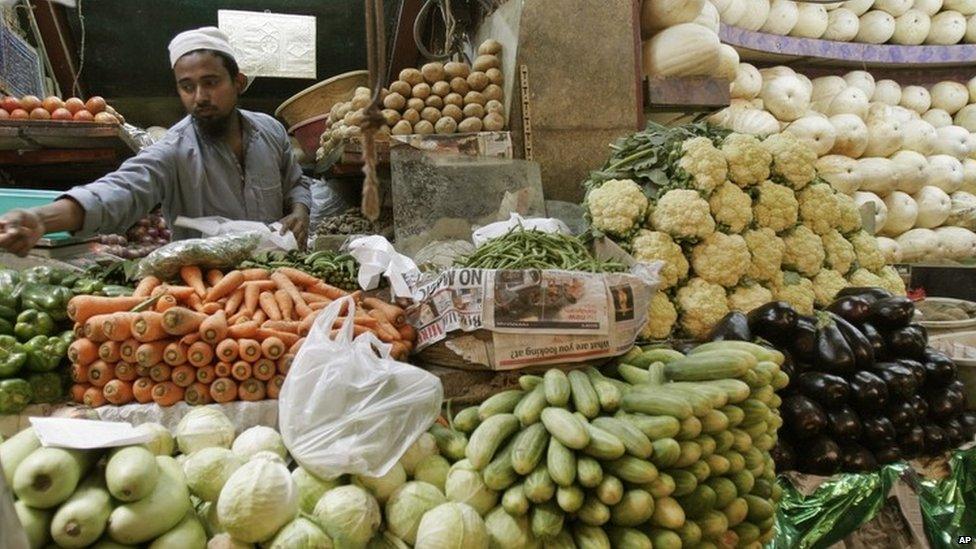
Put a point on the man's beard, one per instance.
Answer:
(214, 126)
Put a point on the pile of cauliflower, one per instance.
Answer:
(753, 224)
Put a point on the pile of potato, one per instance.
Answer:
(441, 98)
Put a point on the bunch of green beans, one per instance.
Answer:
(530, 249)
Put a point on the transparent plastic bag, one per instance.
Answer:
(226, 250)
(344, 409)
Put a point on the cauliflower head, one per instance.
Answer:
(775, 207)
(804, 251)
(797, 291)
(793, 161)
(617, 207)
(701, 305)
(661, 316)
(704, 163)
(891, 280)
(731, 207)
(683, 214)
(849, 217)
(653, 245)
(747, 298)
(839, 252)
(868, 253)
(865, 278)
(819, 209)
(721, 259)
(826, 285)
(748, 160)
(766, 250)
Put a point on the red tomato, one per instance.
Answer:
(61, 114)
(74, 105)
(19, 114)
(84, 116)
(30, 102)
(52, 103)
(10, 103)
(106, 118)
(95, 104)
(40, 113)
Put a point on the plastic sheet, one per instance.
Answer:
(209, 253)
(949, 505)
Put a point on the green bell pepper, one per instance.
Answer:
(15, 395)
(68, 336)
(9, 277)
(37, 275)
(110, 290)
(48, 387)
(45, 353)
(6, 327)
(13, 356)
(52, 300)
(32, 323)
(8, 313)
(87, 286)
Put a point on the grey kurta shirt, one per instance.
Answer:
(192, 175)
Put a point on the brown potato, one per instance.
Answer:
(485, 62)
(441, 88)
(361, 101)
(435, 101)
(402, 128)
(460, 85)
(446, 125)
(421, 91)
(401, 88)
(454, 112)
(412, 116)
(495, 106)
(490, 47)
(416, 104)
(411, 76)
(391, 117)
(475, 97)
(493, 92)
(495, 76)
(454, 99)
(474, 110)
(433, 72)
(494, 122)
(478, 81)
(431, 114)
(395, 101)
(470, 125)
(423, 128)
(453, 69)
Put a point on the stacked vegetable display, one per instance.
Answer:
(736, 220)
(339, 270)
(669, 451)
(531, 249)
(30, 107)
(145, 236)
(220, 337)
(865, 388)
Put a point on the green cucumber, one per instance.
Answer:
(610, 491)
(488, 437)
(451, 443)
(561, 462)
(656, 401)
(606, 392)
(546, 520)
(557, 388)
(529, 382)
(603, 445)
(589, 472)
(529, 447)
(761, 354)
(36, 524)
(635, 442)
(514, 501)
(584, 396)
(633, 374)
(538, 486)
(566, 428)
(653, 427)
(500, 403)
(593, 512)
(570, 498)
(467, 420)
(530, 407)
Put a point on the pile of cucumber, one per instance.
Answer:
(660, 449)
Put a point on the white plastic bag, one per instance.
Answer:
(501, 228)
(343, 409)
(271, 237)
(377, 258)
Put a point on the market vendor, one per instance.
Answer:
(218, 161)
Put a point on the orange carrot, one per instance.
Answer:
(284, 363)
(238, 318)
(252, 295)
(319, 305)
(365, 320)
(227, 350)
(306, 326)
(287, 339)
(246, 329)
(160, 373)
(234, 302)
(213, 277)
(174, 354)
(296, 347)
(255, 274)
(222, 369)
(206, 374)
(148, 327)
(400, 350)
(190, 338)
(290, 326)
(83, 351)
(195, 302)
(386, 332)
(142, 390)
(100, 373)
(211, 308)
(184, 376)
(327, 290)
(197, 394)
(287, 286)
(181, 321)
(285, 304)
(227, 285)
(263, 285)
(93, 328)
(79, 373)
(260, 317)
(125, 371)
(109, 351)
(94, 397)
(78, 392)
(167, 393)
(181, 293)
(151, 353)
(143, 371)
(193, 278)
(223, 389)
(83, 307)
(78, 330)
(407, 333)
(199, 354)
(269, 306)
(264, 369)
(310, 298)
(118, 392)
(274, 386)
(392, 313)
(127, 351)
(214, 328)
(272, 348)
(165, 303)
(146, 286)
(251, 390)
(249, 349)
(241, 370)
(300, 278)
(118, 326)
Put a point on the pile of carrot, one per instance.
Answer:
(215, 337)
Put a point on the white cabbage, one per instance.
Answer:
(258, 499)
(301, 533)
(209, 469)
(452, 525)
(311, 488)
(466, 485)
(204, 427)
(408, 505)
(259, 439)
(161, 443)
(349, 515)
(423, 447)
(382, 487)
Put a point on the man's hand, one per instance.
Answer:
(21, 229)
(297, 223)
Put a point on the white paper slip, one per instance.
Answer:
(85, 434)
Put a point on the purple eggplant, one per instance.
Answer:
(871, 294)
(912, 443)
(876, 340)
(902, 416)
(869, 393)
(936, 441)
(954, 432)
(820, 456)
(855, 458)
(803, 417)
(968, 422)
(844, 424)
(733, 327)
(940, 370)
(828, 390)
(783, 455)
(854, 309)
(834, 354)
(803, 344)
(877, 431)
(921, 407)
(774, 321)
(917, 369)
(946, 405)
(899, 379)
(859, 344)
(888, 454)
(892, 313)
(907, 342)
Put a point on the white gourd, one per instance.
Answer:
(949, 96)
(928, 7)
(901, 114)
(948, 28)
(945, 172)
(889, 249)
(661, 14)
(746, 120)
(849, 101)
(728, 62)
(971, 145)
(887, 92)
(876, 27)
(971, 86)
(965, 7)
(842, 25)
(970, 36)
(968, 176)
(914, 171)
(938, 118)
(902, 212)
(877, 175)
(755, 15)
(956, 243)
(919, 245)
(770, 73)
(807, 83)
(918, 136)
(747, 83)
(859, 7)
(934, 206)
(708, 17)
(840, 172)
(812, 21)
(895, 7)
(682, 50)
(786, 97)
(884, 137)
(862, 80)
(880, 209)
(730, 11)
(916, 98)
(911, 28)
(852, 135)
(815, 131)
(966, 117)
(953, 141)
(825, 89)
(783, 15)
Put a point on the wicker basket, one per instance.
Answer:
(318, 99)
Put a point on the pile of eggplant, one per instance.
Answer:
(865, 388)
